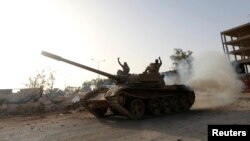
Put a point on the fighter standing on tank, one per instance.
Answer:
(125, 68)
(154, 67)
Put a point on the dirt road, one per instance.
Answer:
(83, 126)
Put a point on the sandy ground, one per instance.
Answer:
(83, 126)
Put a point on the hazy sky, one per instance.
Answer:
(137, 31)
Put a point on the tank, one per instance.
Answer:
(135, 96)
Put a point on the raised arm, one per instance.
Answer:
(160, 61)
(119, 61)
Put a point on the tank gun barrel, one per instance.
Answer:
(59, 58)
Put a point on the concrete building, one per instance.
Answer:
(236, 45)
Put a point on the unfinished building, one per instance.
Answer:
(236, 45)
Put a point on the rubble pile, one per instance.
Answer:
(35, 100)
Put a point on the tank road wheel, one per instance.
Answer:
(175, 104)
(166, 105)
(99, 112)
(184, 101)
(154, 106)
(137, 108)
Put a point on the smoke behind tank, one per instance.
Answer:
(213, 79)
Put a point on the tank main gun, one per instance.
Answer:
(59, 58)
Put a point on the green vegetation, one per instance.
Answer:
(179, 56)
(98, 83)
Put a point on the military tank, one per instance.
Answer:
(135, 96)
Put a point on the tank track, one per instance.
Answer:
(114, 103)
(123, 110)
(85, 101)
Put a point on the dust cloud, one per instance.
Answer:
(212, 78)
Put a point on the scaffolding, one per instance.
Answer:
(236, 45)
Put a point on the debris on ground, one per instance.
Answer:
(35, 100)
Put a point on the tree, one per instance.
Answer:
(86, 86)
(41, 80)
(51, 80)
(97, 83)
(71, 89)
(179, 56)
